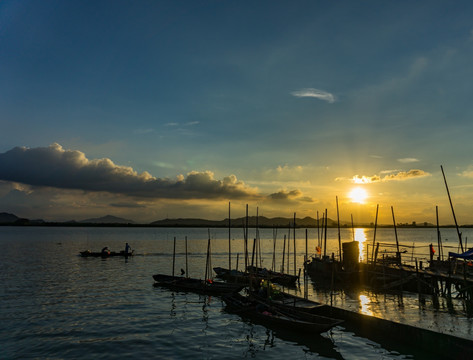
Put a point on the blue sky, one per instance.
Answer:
(154, 109)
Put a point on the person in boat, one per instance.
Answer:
(105, 251)
(127, 249)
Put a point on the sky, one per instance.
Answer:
(171, 109)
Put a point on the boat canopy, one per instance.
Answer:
(467, 255)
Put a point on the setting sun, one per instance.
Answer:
(358, 195)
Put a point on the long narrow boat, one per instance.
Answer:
(271, 317)
(277, 277)
(88, 253)
(179, 283)
(285, 301)
(257, 274)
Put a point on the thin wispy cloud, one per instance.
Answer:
(192, 123)
(408, 160)
(314, 93)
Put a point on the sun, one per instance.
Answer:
(358, 195)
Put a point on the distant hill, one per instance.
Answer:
(108, 219)
(6, 218)
(241, 222)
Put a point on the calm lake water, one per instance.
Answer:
(55, 304)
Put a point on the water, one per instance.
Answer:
(58, 305)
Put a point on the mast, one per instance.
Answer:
(453, 212)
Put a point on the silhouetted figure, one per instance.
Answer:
(127, 248)
(105, 251)
(182, 271)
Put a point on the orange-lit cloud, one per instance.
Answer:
(391, 176)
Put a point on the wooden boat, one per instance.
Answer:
(272, 317)
(277, 277)
(179, 283)
(257, 274)
(88, 253)
(285, 301)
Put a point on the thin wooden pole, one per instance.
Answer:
(246, 239)
(207, 258)
(295, 253)
(439, 240)
(174, 256)
(453, 212)
(283, 253)
(395, 233)
(374, 236)
(339, 238)
(352, 227)
(187, 268)
(288, 247)
(229, 240)
(325, 234)
(325, 238)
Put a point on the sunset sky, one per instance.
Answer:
(165, 109)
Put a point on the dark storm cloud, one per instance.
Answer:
(53, 166)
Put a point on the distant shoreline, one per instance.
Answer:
(252, 226)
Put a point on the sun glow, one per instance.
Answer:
(358, 195)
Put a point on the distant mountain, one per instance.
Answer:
(108, 219)
(241, 222)
(6, 218)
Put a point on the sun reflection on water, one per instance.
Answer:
(365, 302)
(360, 236)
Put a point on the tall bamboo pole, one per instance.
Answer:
(453, 212)
(339, 237)
(174, 256)
(187, 267)
(295, 265)
(395, 233)
(229, 240)
(374, 236)
(325, 238)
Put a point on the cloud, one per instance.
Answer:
(406, 175)
(292, 195)
(401, 175)
(408, 160)
(314, 93)
(70, 169)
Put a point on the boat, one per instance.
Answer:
(105, 254)
(269, 316)
(277, 277)
(258, 274)
(186, 284)
(270, 294)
